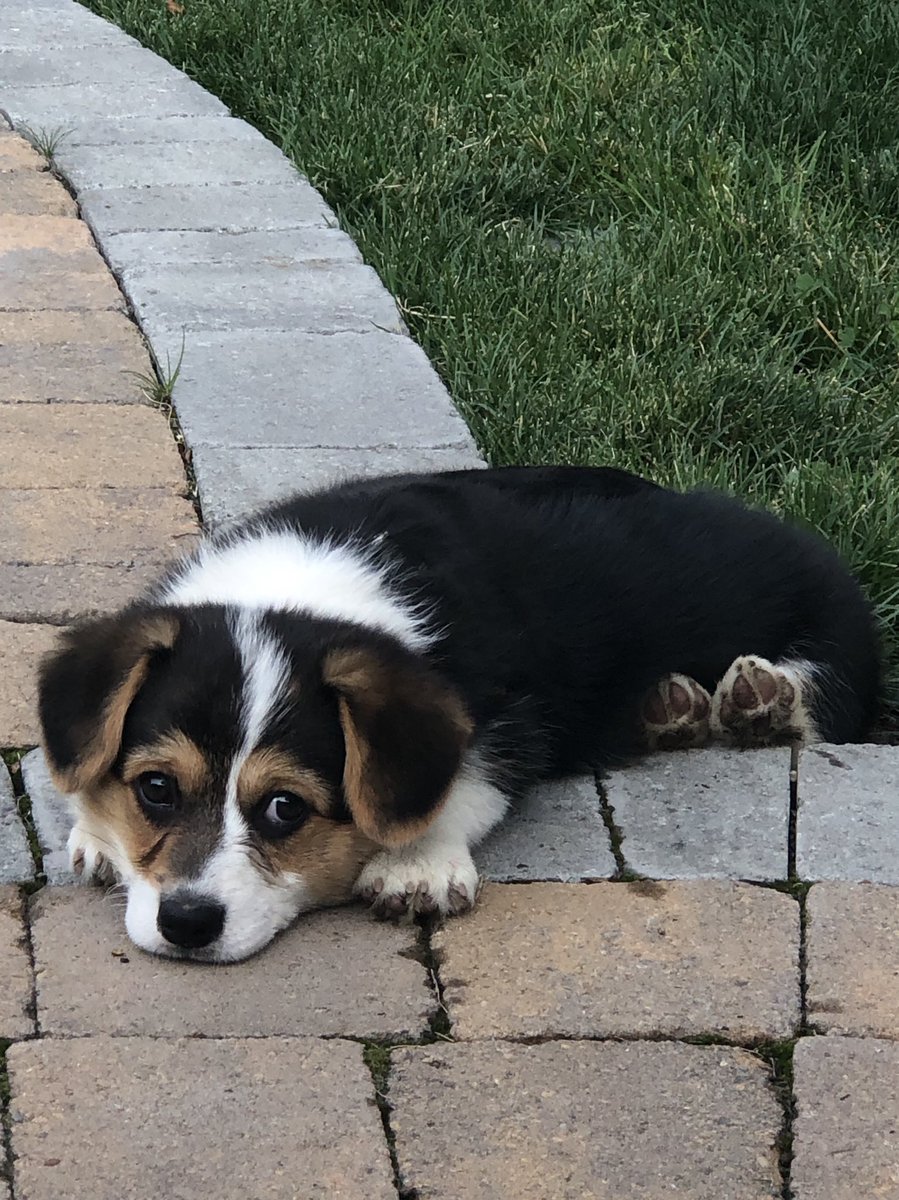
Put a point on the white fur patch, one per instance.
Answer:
(438, 865)
(281, 570)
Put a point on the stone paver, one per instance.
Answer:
(311, 297)
(110, 131)
(852, 953)
(16, 864)
(136, 1119)
(226, 206)
(33, 193)
(17, 155)
(174, 164)
(705, 814)
(89, 445)
(21, 647)
(51, 816)
(848, 822)
(61, 594)
(388, 392)
(584, 1121)
(53, 105)
(71, 357)
(624, 960)
(236, 480)
(15, 969)
(335, 972)
(44, 280)
(105, 526)
(557, 833)
(847, 1094)
(281, 248)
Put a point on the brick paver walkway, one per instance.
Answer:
(612, 1039)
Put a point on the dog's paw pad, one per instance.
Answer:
(398, 884)
(675, 714)
(758, 703)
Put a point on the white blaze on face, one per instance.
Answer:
(256, 906)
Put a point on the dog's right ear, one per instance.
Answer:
(86, 686)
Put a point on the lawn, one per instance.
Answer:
(659, 236)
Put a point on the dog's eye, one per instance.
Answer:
(158, 793)
(281, 814)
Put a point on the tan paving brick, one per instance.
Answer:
(89, 445)
(615, 959)
(115, 525)
(70, 356)
(34, 193)
(21, 647)
(17, 155)
(847, 1096)
(61, 235)
(47, 280)
(853, 959)
(15, 968)
(584, 1121)
(64, 594)
(135, 1119)
(335, 972)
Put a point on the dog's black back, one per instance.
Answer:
(566, 592)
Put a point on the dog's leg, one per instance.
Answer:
(675, 714)
(436, 873)
(760, 703)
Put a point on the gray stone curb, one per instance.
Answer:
(291, 344)
(16, 865)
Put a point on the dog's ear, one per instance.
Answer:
(405, 732)
(86, 686)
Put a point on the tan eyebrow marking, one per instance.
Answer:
(176, 754)
(270, 770)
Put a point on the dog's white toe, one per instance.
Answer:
(410, 881)
(87, 859)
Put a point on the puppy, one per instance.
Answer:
(345, 694)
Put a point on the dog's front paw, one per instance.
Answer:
(87, 859)
(399, 883)
(760, 703)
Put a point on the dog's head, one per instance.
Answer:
(237, 768)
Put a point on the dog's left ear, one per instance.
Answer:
(405, 732)
(86, 686)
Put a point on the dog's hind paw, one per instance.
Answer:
(408, 882)
(675, 714)
(760, 703)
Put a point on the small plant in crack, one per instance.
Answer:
(159, 388)
(46, 141)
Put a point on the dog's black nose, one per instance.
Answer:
(190, 921)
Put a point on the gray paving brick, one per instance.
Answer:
(17, 990)
(308, 297)
(335, 972)
(581, 1121)
(111, 131)
(112, 1118)
(275, 247)
(235, 481)
(16, 865)
(60, 594)
(67, 104)
(70, 26)
(231, 207)
(342, 391)
(705, 814)
(61, 65)
(848, 821)
(557, 833)
(51, 815)
(847, 1097)
(174, 164)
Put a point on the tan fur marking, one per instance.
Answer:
(272, 770)
(328, 855)
(175, 754)
(113, 816)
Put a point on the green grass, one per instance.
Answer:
(659, 235)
